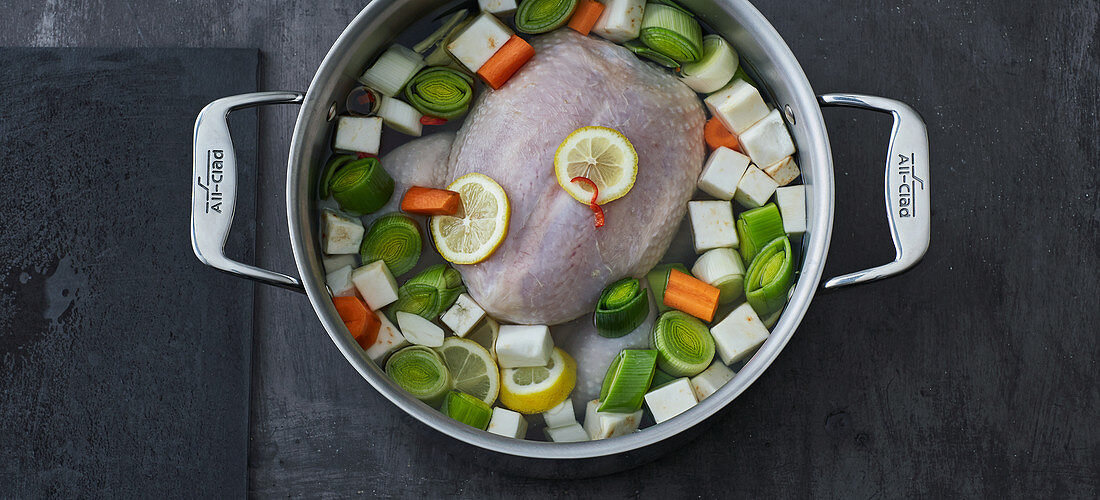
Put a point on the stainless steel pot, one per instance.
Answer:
(769, 60)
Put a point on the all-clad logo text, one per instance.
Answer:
(214, 176)
(910, 183)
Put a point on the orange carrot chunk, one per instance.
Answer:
(586, 15)
(507, 60)
(717, 136)
(359, 319)
(429, 201)
(691, 296)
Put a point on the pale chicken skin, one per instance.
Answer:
(554, 263)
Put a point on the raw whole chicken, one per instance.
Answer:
(554, 263)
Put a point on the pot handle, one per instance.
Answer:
(908, 208)
(214, 194)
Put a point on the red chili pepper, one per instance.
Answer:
(367, 155)
(596, 210)
(431, 120)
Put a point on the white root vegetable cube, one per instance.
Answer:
(670, 399)
(604, 425)
(739, 334)
(499, 8)
(792, 208)
(722, 172)
(400, 116)
(334, 262)
(339, 282)
(738, 106)
(784, 171)
(755, 188)
(418, 330)
(710, 380)
(463, 316)
(518, 346)
(375, 284)
(560, 415)
(482, 38)
(389, 340)
(508, 423)
(712, 225)
(339, 234)
(621, 20)
(568, 434)
(358, 134)
(768, 140)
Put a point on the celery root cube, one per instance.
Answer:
(755, 188)
(339, 282)
(792, 207)
(621, 20)
(670, 399)
(340, 234)
(738, 106)
(358, 134)
(482, 38)
(784, 171)
(722, 172)
(768, 140)
(712, 225)
(738, 334)
(520, 346)
(375, 284)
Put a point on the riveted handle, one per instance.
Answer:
(214, 192)
(907, 183)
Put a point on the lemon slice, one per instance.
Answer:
(474, 234)
(538, 389)
(601, 154)
(473, 370)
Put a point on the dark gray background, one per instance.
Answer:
(975, 374)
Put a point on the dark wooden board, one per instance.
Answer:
(125, 364)
(975, 374)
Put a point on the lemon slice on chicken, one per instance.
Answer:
(603, 155)
(473, 234)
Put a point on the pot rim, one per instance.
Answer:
(819, 228)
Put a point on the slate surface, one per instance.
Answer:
(975, 374)
(125, 370)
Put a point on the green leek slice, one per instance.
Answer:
(639, 49)
(334, 164)
(429, 293)
(627, 380)
(722, 268)
(540, 16)
(420, 371)
(684, 344)
(395, 239)
(467, 409)
(422, 300)
(392, 70)
(758, 227)
(714, 70)
(658, 281)
(359, 185)
(622, 307)
(672, 32)
(769, 277)
(440, 92)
